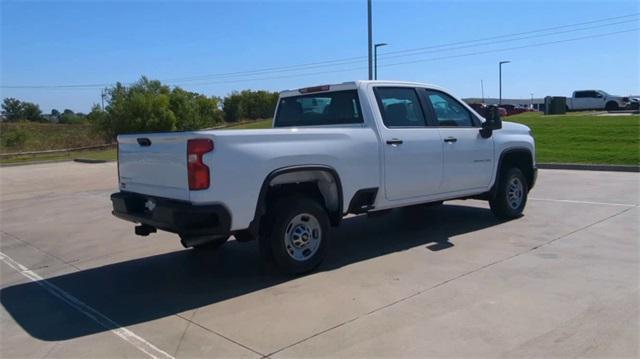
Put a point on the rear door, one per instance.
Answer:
(412, 150)
(588, 100)
(154, 164)
(468, 158)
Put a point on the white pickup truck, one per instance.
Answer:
(595, 100)
(355, 147)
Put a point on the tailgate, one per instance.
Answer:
(154, 164)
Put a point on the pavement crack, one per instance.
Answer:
(440, 284)
(184, 332)
(221, 335)
(40, 250)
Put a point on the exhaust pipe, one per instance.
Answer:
(144, 230)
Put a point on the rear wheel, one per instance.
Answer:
(511, 194)
(299, 235)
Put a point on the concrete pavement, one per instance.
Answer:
(447, 282)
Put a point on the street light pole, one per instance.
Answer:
(500, 79)
(375, 59)
(370, 39)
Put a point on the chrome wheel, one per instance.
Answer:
(515, 192)
(302, 236)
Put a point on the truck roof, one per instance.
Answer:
(352, 85)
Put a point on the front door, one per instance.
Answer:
(412, 150)
(468, 158)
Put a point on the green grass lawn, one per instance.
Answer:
(60, 137)
(106, 155)
(30, 136)
(584, 138)
(571, 138)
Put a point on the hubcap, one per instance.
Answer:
(515, 192)
(302, 237)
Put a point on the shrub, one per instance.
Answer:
(14, 138)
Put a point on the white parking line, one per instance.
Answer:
(583, 202)
(124, 333)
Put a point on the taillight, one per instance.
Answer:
(198, 171)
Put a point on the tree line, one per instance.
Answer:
(149, 105)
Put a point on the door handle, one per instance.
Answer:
(451, 139)
(144, 142)
(394, 142)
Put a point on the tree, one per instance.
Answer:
(143, 106)
(12, 109)
(31, 112)
(194, 111)
(250, 104)
(69, 117)
(15, 110)
(97, 115)
(233, 107)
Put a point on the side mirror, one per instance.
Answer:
(492, 121)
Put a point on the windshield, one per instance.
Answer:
(326, 108)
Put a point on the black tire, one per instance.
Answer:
(298, 220)
(208, 244)
(611, 106)
(512, 186)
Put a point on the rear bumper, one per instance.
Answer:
(172, 215)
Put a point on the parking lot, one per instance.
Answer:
(562, 281)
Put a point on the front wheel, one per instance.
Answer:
(511, 194)
(299, 237)
(611, 106)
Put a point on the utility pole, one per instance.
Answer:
(370, 43)
(500, 79)
(482, 89)
(375, 59)
(102, 95)
(531, 104)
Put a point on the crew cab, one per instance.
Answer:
(350, 148)
(595, 100)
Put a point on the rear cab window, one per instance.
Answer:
(319, 109)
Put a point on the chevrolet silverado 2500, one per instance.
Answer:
(356, 147)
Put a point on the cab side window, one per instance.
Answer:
(400, 107)
(448, 111)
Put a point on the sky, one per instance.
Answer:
(215, 47)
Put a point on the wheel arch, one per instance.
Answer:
(319, 181)
(522, 158)
(611, 104)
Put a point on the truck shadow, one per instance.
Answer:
(155, 287)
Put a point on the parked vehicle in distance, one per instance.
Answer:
(634, 104)
(356, 147)
(483, 110)
(595, 100)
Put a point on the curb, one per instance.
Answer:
(588, 167)
(87, 160)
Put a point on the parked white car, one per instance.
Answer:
(595, 100)
(357, 147)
